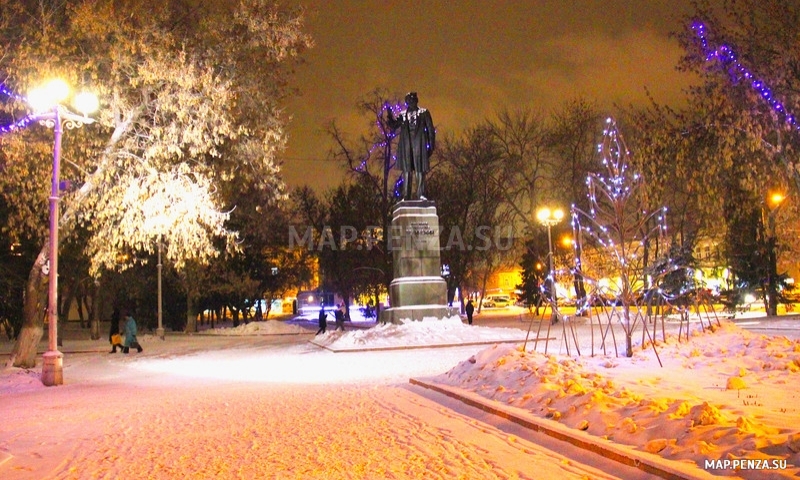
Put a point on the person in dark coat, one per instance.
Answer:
(114, 330)
(323, 320)
(470, 309)
(339, 314)
(416, 144)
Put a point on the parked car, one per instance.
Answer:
(496, 301)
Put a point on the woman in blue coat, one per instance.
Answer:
(130, 335)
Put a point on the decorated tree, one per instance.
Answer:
(621, 228)
(369, 162)
(189, 103)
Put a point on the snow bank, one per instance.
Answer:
(688, 410)
(428, 333)
(270, 327)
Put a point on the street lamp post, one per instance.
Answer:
(549, 218)
(160, 329)
(773, 202)
(49, 111)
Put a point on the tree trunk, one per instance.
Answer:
(94, 312)
(628, 332)
(484, 281)
(79, 299)
(63, 304)
(235, 316)
(628, 345)
(23, 355)
(191, 314)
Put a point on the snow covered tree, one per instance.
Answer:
(189, 106)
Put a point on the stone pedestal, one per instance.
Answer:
(53, 368)
(418, 291)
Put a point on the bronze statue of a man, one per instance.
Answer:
(416, 144)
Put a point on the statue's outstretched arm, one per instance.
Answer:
(391, 120)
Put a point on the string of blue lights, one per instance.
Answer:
(18, 124)
(5, 91)
(728, 58)
(610, 196)
(395, 109)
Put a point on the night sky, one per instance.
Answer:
(468, 60)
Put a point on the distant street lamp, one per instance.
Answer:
(158, 223)
(160, 329)
(773, 202)
(549, 218)
(46, 103)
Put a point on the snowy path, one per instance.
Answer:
(117, 417)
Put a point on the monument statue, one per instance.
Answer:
(416, 144)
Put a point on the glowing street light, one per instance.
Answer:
(47, 105)
(774, 200)
(45, 97)
(549, 218)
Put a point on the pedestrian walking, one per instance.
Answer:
(323, 320)
(470, 308)
(113, 332)
(130, 335)
(339, 314)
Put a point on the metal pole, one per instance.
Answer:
(160, 329)
(552, 279)
(772, 275)
(52, 366)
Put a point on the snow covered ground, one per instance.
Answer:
(449, 332)
(724, 395)
(271, 400)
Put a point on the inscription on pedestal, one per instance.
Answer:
(420, 228)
